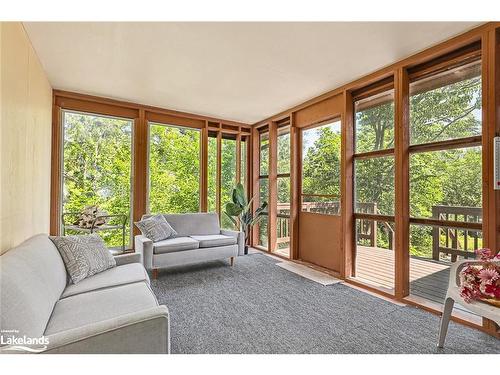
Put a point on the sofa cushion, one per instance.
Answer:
(214, 240)
(92, 307)
(83, 255)
(196, 224)
(121, 275)
(32, 278)
(172, 245)
(156, 228)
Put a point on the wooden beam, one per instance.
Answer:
(56, 171)
(295, 186)
(401, 184)
(204, 169)
(273, 185)
(346, 187)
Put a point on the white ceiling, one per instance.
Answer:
(235, 71)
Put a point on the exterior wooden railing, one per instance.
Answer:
(452, 243)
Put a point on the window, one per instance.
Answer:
(97, 165)
(228, 177)
(263, 186)
(321, 157)
(445, 174)
(283, 188)
(374, 189)
(212, 173)
(174, 169)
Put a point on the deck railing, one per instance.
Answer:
(451, 241)
(455, 241)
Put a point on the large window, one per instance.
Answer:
(374, 189)
(445, 175)
(228, 177)
(97, 164)
(283, 188)
(212, 173)
(174, 169)
(263, 186)
(321, 157)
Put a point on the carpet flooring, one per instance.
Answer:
(258, 307)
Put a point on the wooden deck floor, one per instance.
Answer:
(428, 279)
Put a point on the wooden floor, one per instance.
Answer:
(428, 278)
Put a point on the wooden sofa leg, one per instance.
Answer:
(232, 261)
(155, 273)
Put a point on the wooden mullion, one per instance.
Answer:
(139, 205)
(491, 128)
(56, 171)
(402, 185)
(347, 189)
(238, 158)
(295, 176)
(273, 185)
(218, 182)
(255, 181)
(446, 145)
(374, 154)
(204, 169)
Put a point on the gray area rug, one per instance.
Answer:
(257, 307)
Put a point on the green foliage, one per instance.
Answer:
(97, 167)
(239, 211)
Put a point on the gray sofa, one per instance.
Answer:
(199, 238)
(114, 311)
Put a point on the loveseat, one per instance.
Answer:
(114, 311)
(199, 238)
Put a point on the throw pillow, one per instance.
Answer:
(84, 255)
(156, 228)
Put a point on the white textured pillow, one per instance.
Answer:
(156, 228)
(83, 256)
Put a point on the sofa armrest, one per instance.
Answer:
(127, 258)
(144, 246)
(240, 238)
(145, 331)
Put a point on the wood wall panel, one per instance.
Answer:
(25, 139)
(324, 110)
(320, 238)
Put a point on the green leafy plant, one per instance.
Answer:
(239, 211)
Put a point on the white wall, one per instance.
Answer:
(25, 139)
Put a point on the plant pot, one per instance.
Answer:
(246, 250)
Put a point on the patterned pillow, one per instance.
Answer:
(156, 228)
(83, 256)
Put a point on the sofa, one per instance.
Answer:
(199, 238)
(114, 311)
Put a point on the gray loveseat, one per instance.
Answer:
(114, 311)
(199, 238)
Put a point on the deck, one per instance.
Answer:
(428, 278)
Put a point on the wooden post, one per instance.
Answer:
(255, 181)
(218, 183)
(401, 183)
(273, 185)
(435, 235)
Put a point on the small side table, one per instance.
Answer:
(121, 218)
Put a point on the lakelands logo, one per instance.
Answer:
(10, 341)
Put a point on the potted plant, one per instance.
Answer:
(239, 211)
